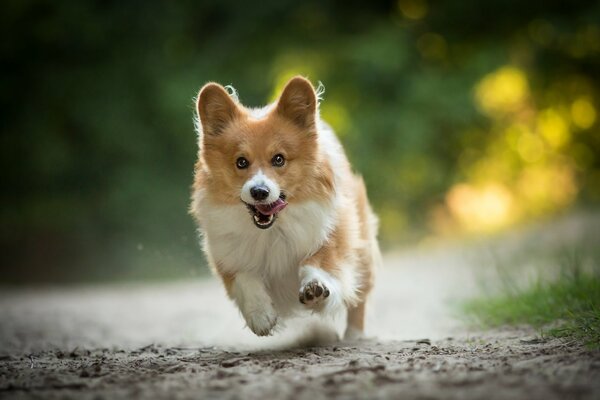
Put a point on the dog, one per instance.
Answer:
(284, 221)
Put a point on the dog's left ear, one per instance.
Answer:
(298, 103)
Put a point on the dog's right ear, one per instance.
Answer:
(216, 108)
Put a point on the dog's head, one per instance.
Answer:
(262, 160)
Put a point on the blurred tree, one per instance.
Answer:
(461, 115)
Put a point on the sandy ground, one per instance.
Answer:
(186, 340)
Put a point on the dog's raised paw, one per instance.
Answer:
(313, 293)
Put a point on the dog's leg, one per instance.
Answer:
(368, 258)
(254, 302)
(356, 322)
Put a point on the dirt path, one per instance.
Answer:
(497, 366)
(185, 340)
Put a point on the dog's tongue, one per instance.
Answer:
(269, 209)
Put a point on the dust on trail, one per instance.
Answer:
(186, 340)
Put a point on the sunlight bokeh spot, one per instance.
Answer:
(481, 209)
(496, 166)
(553, 127)
(547, 188)
(513, 133)
(583, 113)
(502, 91)
(530, 147)
(413, 9)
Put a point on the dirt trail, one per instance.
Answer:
(185, 340)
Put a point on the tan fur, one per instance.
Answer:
(305, 175)
(229, 132)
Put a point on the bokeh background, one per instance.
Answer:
(466, 118)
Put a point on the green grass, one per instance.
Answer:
(567, 306)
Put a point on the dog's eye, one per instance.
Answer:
(241, 163)
(278, 161)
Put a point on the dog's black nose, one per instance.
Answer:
(259, 192)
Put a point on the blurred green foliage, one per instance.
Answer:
(97, 136)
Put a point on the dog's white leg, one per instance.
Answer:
(319, 290)
(255, 303)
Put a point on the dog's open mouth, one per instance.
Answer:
(264, 215)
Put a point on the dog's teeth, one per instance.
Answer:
(260, 222)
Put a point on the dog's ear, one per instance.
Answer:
(298, 103)
(216, 108)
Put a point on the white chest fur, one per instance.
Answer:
(274, 254)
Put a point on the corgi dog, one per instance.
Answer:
(284, 221)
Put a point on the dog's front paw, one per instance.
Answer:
(313, 293)
(261, 321)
